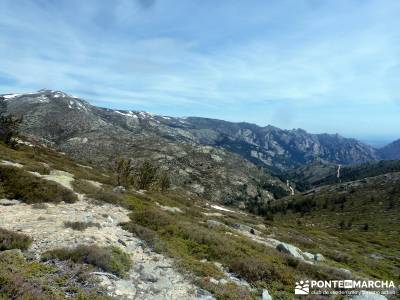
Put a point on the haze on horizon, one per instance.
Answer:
(324, 66)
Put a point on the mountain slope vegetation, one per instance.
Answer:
(356, 223)
(391, 151)
(233, 255)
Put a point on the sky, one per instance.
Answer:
(322, 65)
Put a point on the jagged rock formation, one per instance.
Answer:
(277, 148)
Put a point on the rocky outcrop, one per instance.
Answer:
(319, 257)
(279, 148)
(7, 202)
(291, 250)
(265, 295)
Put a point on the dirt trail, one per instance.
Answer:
(153, 275)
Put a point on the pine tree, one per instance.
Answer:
(147, 175)
(123, 171)
(164, 182)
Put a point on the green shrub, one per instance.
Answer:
(151, 218)
(13, 240)
(322, 272)
(141, 232)
(106, 196)
(83, 186)
(32, 280)
(146, 175)
(229, 291)
(80, 225)
(19, 184)
(164, 182)
(38, 168)
(123, 171)
(108, 259)
(257, 269)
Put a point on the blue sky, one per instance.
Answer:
(325, 66)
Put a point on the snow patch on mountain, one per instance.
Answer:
(127, 114)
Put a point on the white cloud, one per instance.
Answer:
(175, 53)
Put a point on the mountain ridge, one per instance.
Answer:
(225, 160)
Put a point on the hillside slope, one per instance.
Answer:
(220, 250)
(356, 222)
(391, 151)
(215, 159)
(101, 135)
(320, 174)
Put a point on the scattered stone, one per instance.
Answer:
(261, 226)
(169, 208)
(6, 202)
(291, 250)
(214, 281)
(319, 257)
(266, 295)
(122, 242)
(109, 275)
(345, 271)
(376, 256)
(119, 189)
(148, 277)
(246, 228)
(308, 256)
(218, 207)
(204, 295)
(10, 163)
